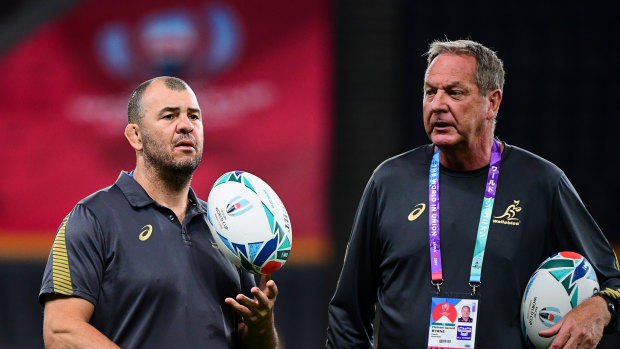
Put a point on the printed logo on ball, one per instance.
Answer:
(287, 222)
(549, 316)
(221, 218)
(532, 310)
(238, 206)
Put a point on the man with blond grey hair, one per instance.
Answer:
(133, 265)
(411, 262)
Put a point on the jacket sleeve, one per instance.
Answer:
(352, 309)
(574, 229)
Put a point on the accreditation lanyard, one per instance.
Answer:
(483, 225)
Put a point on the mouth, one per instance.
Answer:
(185, 143)
(442, 126)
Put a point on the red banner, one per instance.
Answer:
(261, 71)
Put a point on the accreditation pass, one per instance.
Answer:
(452, 323)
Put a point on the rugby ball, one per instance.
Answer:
(249, 222)
(560, 283)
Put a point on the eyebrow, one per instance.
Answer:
(177, 109)
(450, 85)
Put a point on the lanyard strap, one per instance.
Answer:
(483, 225)
(485, 214)
(433, 220)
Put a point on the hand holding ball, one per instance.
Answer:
(560, 283)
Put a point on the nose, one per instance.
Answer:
(438, 102)
(185, 125)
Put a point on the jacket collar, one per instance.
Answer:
(138, 197)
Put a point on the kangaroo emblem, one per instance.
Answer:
(511, 211)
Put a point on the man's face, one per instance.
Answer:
(465, 312)
(454, 112)
(172, 134)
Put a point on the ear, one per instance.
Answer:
(133, 135)
(494, 98)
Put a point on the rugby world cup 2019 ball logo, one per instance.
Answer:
(549, 316)
(238, 206)
(177, 41)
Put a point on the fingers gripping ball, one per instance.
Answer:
(560, 283)
(249, 222)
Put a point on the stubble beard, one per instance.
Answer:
(173, 171)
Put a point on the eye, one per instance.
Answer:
(167, 116)
(194, 116)
(429, 92)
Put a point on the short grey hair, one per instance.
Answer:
(489, 73)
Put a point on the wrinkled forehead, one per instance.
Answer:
(452, 63)
(451, 71)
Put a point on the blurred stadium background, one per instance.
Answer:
(309, 95)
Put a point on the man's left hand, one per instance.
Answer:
(582, 327)
(258, 322)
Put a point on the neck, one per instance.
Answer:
(170, 190)
(467, 158)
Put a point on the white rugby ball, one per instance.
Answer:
(560, 283)
(249, 222)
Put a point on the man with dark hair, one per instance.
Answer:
(134, 110)
(134, 264)
(404, 261)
